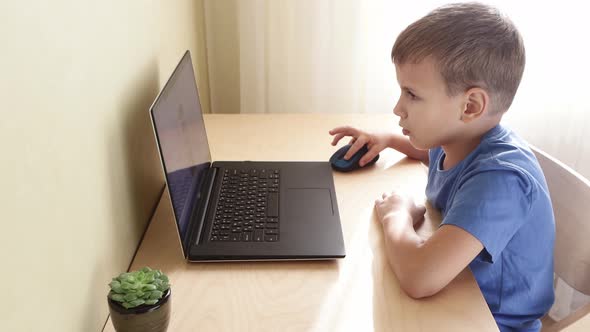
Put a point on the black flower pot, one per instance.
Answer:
(144, 318)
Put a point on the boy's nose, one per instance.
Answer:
(397, 110)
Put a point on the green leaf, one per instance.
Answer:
(156, 295)
(149, 287)
(151, 302)
(130, 297)
(137, 302)
(118, 290)
(117, 297)
(132, 304)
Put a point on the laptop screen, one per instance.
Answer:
(182, 140)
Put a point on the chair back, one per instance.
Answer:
(570, 196)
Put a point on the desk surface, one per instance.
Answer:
(582, 325)
(357, 293)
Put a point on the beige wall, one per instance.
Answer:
(80, 172)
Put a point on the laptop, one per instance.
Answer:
(239, 210)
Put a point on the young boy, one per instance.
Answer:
(459, 68)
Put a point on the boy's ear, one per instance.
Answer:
(476, 104)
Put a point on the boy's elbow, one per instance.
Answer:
(418, 292)
(417, 288)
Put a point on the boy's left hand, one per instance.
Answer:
(393, 203)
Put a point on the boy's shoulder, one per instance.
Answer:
(502, 149)
(501, 153)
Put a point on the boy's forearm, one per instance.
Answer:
(403, 145)
(402, 245)
(424, 267)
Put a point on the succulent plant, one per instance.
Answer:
(145, 286)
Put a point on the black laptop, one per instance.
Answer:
(239, 210)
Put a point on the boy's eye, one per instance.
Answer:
(410, 94)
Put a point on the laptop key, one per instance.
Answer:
(272, 208)
(258, 235)
(271, 238)
(247, 236)
(235, 237)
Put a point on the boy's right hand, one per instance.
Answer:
(375, 143)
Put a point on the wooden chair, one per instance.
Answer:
(570, 196)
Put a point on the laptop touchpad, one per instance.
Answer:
(308, 202)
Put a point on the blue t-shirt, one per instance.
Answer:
(499, 195)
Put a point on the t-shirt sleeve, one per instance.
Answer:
(491, 206)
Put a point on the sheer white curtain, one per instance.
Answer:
(289, 56)
(333, 56)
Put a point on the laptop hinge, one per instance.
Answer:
(206, 198)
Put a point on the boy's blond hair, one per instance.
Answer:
(473, 45)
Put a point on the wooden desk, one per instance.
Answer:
(582, 325)
(357, 293)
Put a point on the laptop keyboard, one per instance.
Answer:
(248, 206)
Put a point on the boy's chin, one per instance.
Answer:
(419, 145)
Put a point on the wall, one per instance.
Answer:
(80, 171)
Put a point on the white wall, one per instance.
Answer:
(80, 172)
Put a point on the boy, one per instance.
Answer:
(459, 68)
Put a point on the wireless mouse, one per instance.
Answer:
(340, 164)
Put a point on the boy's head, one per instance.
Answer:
(477, 54)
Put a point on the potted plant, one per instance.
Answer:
(140, 301)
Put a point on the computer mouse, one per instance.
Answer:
(340, 164)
